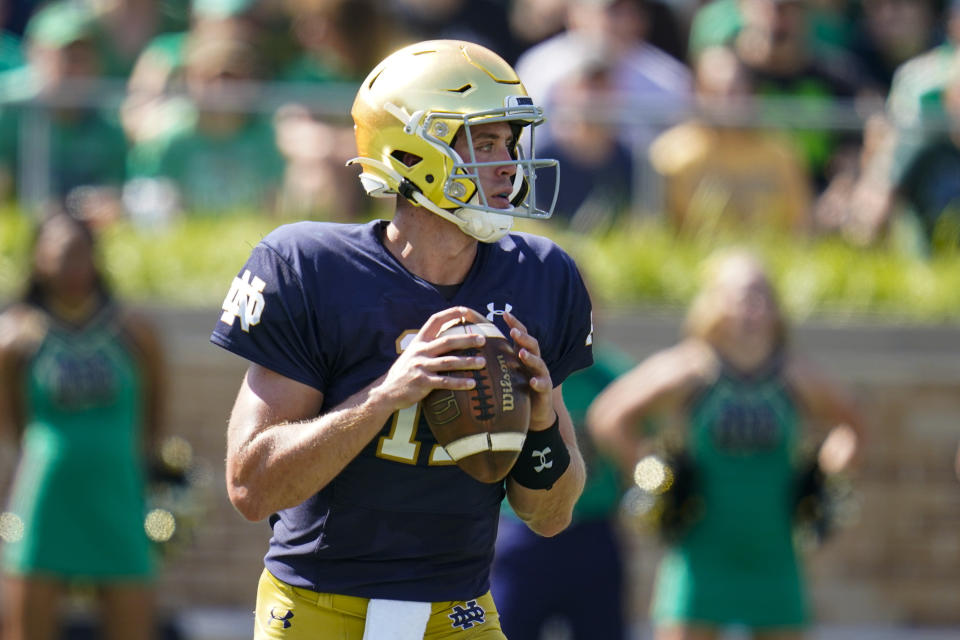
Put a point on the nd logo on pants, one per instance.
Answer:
(285, 612)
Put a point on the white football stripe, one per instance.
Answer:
(480, 442)
(456, 325)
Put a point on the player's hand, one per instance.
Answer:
(423, 363)
(542, 413)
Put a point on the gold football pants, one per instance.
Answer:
(285, 612)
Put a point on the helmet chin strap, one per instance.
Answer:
(482, 225)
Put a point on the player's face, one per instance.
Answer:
(491, 143)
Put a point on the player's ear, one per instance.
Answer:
(407, 158)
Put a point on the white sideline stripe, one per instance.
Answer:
(480, 442)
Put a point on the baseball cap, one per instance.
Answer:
(60, 24)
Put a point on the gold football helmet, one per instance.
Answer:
(416, 101)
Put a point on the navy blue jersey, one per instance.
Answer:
(327, 305)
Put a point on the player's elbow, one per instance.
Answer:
(549, 522)
(549, 527)
(246, 502)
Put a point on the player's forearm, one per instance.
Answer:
(287, 463)
(548, 512)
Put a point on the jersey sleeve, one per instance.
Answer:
(267, 318)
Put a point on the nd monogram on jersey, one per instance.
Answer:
(244, 300)
(327, 305)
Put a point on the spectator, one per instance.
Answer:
(62, 58)
(614, 30)
(227, 160)
(797, 84)
(915, 118)
(81, 387)
(155, 106)
(485, 22)
(588, 591)
(922, 205)
(738, 401)
(831, 25)
(339, 42)
(126, 27)
(533, 21)
(916, 91)
(890, 32)
(596, 188)
(719, 170)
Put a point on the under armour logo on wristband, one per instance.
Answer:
(544, 463)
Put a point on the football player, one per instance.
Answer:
(375, 529)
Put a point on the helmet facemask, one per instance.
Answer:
(462, 182)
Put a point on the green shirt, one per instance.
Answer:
(216, 174)
(11, 51)
(85, 147)
(916, 93)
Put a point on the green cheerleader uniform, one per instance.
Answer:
(737, 563)
(79, 490)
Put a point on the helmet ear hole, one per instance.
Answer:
(406, 158)
(515, 129)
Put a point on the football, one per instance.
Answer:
(483, 428)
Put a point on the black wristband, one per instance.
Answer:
(543, 459)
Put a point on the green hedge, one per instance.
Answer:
(825, 277)
(191, 264)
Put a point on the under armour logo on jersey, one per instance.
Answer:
(244, 301)
(284, 620)
(466, 618)
(544, 463)
(494, 312)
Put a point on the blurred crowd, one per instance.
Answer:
(800, 116)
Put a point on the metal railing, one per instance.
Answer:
(331, 102)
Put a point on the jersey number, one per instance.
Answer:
(401, 445)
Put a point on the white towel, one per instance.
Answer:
(396, 620)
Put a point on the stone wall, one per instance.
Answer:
(898, 564)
